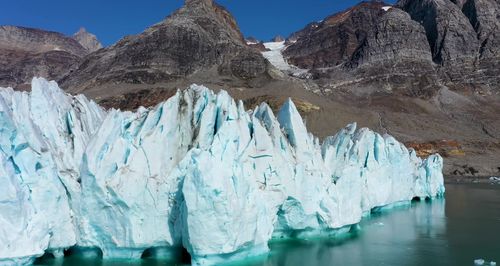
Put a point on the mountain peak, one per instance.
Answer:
(198, 40)
(87, 40)
(198, 2)
(278, 38)
(82, 30)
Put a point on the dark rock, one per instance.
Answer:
(19, 67)
(307, 30)
(395, 38)
(396, 47)
(459, 3)
(199, 37)
(365, 42)
(248, 65)
(252, 40)
(256, 44)
(26, 52)
(484, 15)
(38, 41)
(452, 38)
(464, 39)
(334, 40)
(278, 38)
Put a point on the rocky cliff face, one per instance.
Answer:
(394, 38)
(452, 39)
(484, 16)
(200, 39)
(256, 44)
(19, 67)
(335, 39)
(395, 48)
(37, 41)
(372, 46)
(420, 60)
(305, 31)
(461, 36)
(26, 52)
(87, 40)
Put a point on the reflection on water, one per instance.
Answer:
(388, 238)
(473, 222)
(455, 231)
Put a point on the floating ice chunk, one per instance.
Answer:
(495, 179)
(479, 262)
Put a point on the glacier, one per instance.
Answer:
(274, 55)
(197, 171)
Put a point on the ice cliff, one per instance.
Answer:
(197, 171)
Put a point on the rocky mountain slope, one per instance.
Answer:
(87, 40)
(429, 69)
(200, 42)
(26, 52)
(438, 42)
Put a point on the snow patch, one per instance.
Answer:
(275, 57)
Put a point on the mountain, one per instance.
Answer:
(305, 31)
(425, 71)
(464, 41)
(26, 52)
(416, 61)
(196, 172)
(87, 40)
(256, 44)
(365, 41)
(335, 39)
(198, 43)
(278, 38)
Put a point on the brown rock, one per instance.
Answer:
(26, 52)
(334, 40)
(201, 38)
(87, 40)
(452, 38)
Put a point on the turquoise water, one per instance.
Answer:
(452, 231)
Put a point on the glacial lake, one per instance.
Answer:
(453, 231)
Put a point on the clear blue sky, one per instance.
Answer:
(111, 20)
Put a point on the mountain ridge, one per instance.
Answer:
(27, 52)
(200, 38)
(87, 40)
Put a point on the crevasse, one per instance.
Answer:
(197, 171)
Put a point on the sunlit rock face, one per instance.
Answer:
(197, 171)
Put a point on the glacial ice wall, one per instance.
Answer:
(197, 171)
